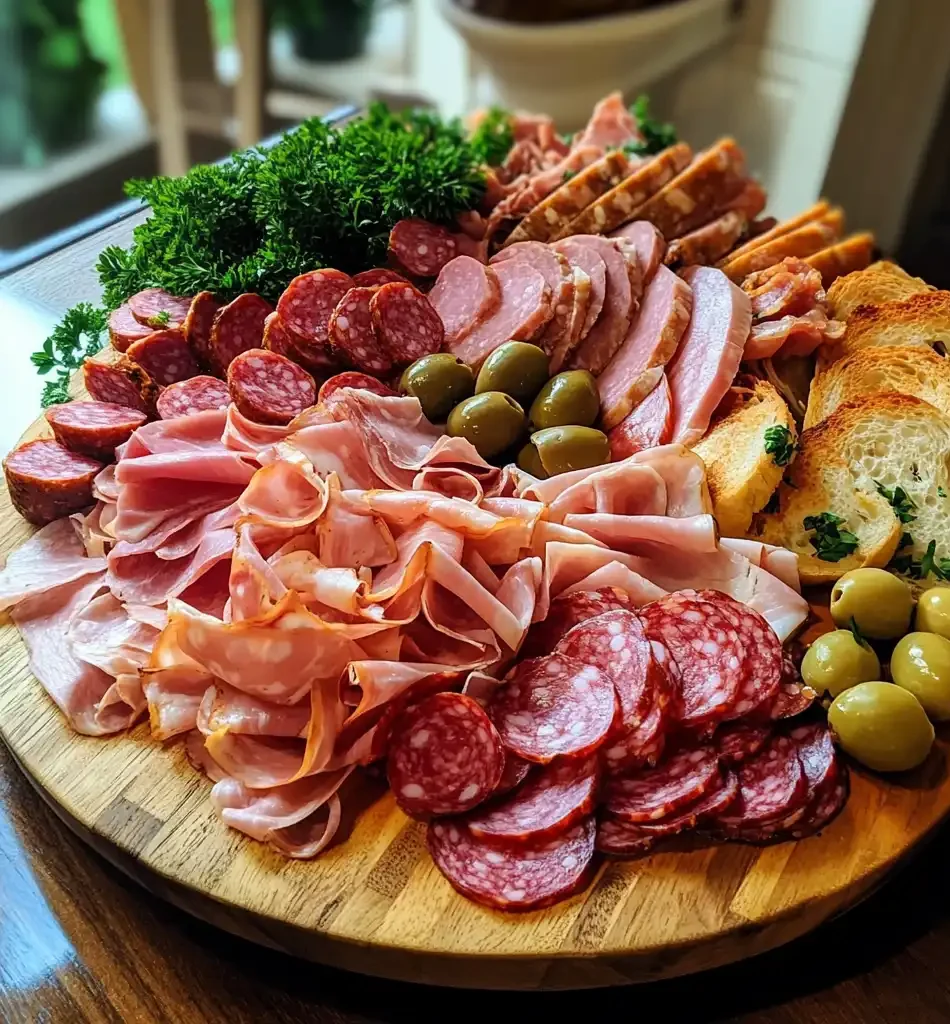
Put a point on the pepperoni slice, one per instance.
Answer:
(360, 381)
(376, 277)
(422, 248)
(517, 878)
(621, 839)
(305, 308)
(771, 786)
(568, 611)
(555, 798)
(739, 741)
(198, 324)
(47, 481)
(552, 707)
(165, 356)
(656, 793)
(238, 327)
(95, 429)
(124, 328)
(516, 771)
(353, 337)
(406, 325)
(150, 306)
(445, 756)
(269, 388)
(187, 397)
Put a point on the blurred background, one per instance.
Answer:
(839, 97)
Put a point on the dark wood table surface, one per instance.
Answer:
(79, 942)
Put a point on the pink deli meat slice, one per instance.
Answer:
(649, 425)
(649, 345)
(648, 243)
(710, 351)
(656, 793)
(465, 295)
(588, 260)
(526, 307)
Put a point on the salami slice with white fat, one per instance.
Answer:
(269, 388)
(95, 429)
(353, 339)
(155, 308)
(124, 328)
(47, 481)
(656, 793)
(237, 327)
(622, 839)
(824, 806)
(305, 308)
(554, 707)
(187, 397)
(515, 772)
(422, 248)
(566, 612)
(406, 324)
(165, 356)
(740, 741)
(377, 277)
(277, 338)
(122, 383)
(465, 295)
(556, 797)
(445, 756)
(352, 379)
(197, 327)
(793, 697)
(516, 878)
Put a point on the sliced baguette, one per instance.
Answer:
(910, 370)
(880, 282)
(887, 438)
(741, 475)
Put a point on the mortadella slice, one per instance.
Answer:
(710, 351)
(650, 344)
(587, 260)
(465, 295)
(649, 244)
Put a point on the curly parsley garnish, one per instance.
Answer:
(160, 319)
(831, 544)
(903, 505)
(656, 135)
(77, 336)
(779, 444)
(493, 138)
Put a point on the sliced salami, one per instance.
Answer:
(656, 793)
(306, 306)
(165, 356)
(360, 381)
(518, 878)
(824, 806)
(150, 307)
(621, 839)
(122, 383)
(377, 277)
(269, 388)
(740, 741)
(124, 328)
(95, 429)
(565, 613)
(465, 295)
(556, 797)
(553, 707)
(406, 325)
(771, 786)
(516, 771)
(238, 327)
(198, 324)
(445, 756)
(47, 481)
(353, 339)
(438, 682)
(422, 248)
(793, 697)
(198, 394)
(277, 338)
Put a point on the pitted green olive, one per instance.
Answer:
(878, 602)
(933, 611)
(837, 661)
(440, 381)
(921, 664)
(516, 368)
(881, 725)
(491, 421)
(568, 399)
(562, 449)
(530, 461)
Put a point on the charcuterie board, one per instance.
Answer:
(375, 903)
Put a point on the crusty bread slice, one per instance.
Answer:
(741, 475)
(887, 439)
(911, 370)
(880, 282)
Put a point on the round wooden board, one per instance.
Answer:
(375, 903)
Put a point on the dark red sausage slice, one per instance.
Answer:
(150, 305)
(165, 356)
(516, 771)
(713, 803)
(199, 394)
(659, 792)
(621, 839)
(351, 379)
(277, 338)
(353, 338)
(305, 308)
(422, 248)
(565, 613)
(198, 324)
(376, 277)
(122, 383)
(406, 324)
(95, 429)
(519, 878)
(739, 741)
(124, 328)
(793, 697)
(445, 756)
(269, 388)
(237, 327)
(47, 481)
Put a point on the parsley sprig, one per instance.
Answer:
(903, 505)
(656, 135)
(77, 336)
(929, 564)
(831, 543)
(779, 444)
(494, 137)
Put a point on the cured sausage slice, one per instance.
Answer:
(824, 806)
(422, 248)
(124, 328)
(197, 327)
(198, 394)
(277, 338)
(648, 243)
(269, 388)
(553, 707)
(656, 793)
(649, 425)
(708, 244)
(771, 785)
(353, 339)
(150, 306)
(350, 379)
(122, 383)
(793, 697)
(518, 878)
(95, 429)
(305, 308)
(376, 277)
(621, 839)
(566, 612)
(47, 481)
(237, 327)
(516, 771)
(555, 798)
(406, 325)
(445, 756)
(165, 356)
(739, 741)
(465, 295)
(583, 290)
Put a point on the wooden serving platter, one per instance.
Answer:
(375, 903)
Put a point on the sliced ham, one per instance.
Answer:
(611, 125)
(649, 425)
(648, 243)
(465, 295)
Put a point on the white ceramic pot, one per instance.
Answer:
(563, 69)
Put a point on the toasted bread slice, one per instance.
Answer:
(886, 439)
(844, 257)
(741, 475)
(880, 282)
(911, 370)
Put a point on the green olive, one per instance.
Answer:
(921, 663)
(837, 661)
(569, 398)
(562, 449)
(933, 611)
(881, 725)
(440, 382)
(879, 603)
(517, 368)
(491, 421)
(530, 461)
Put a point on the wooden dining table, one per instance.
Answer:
(81, 942)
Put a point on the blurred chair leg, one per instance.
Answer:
(133, 17)
(250, 30)
(170, 122)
